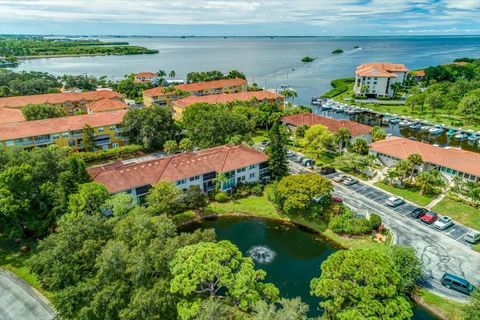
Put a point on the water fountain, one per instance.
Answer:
(261, 254)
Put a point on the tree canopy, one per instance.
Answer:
(42, 111)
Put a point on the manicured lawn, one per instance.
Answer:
(184, 217)
(460, 212)
(259, 136)
(13, 260)
(408, 194)
(450, 309)
(258, 206)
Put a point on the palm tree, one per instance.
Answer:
(219, 180)
(403, 167)
(171, 74)
(161, 74)
(378, 133)
(396, 86)
(415, 160)
(343, 137)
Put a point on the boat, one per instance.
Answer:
(394, 120)
(472, 137)
(326, 107)
(451, 132)
(436, 130)
(404, 123)
(415, 126)
(425, 128)
(460, 136)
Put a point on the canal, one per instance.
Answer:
(290, 256)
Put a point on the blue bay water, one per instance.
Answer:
(268, 62)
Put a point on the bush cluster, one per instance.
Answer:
(110, 154)
(346, 223)
(221, 197)
(248, 189)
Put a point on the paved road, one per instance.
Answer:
(439, 251)
(19, 301)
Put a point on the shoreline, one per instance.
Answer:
(72, 55)
(200, 219)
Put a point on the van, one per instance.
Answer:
(456, 283)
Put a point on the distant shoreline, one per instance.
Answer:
(72, 55)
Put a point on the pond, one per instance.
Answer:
(290, 256)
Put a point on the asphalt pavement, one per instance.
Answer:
(19, 301)
(439, 251)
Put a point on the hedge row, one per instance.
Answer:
(110, 154)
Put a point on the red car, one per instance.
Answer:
(337, 199)
(429, 217)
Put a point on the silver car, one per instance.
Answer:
(443, 223)
(472, 237)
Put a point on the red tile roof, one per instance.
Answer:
(227, 97)
(380, 69)
(119, 177)
(55, 125)
(419, 73)
(146, 75)
(106, 105)
(310, 119)
(198, 86)
(401, 148)
(56, 98)
(8, 115)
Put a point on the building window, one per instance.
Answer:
(55, 136)
(241, 170)
(100, 129)
(114, 145)
(113, 128)
(65, 134)
(180, 182)
(252, 175)
(253, 166)
(10, 143)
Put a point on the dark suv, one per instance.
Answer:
(327, 170)
(418, 213)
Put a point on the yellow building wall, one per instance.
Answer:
(63, 139)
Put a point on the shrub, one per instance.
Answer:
(346, 223)
(375, 221)
(339, 86)
(109, 154)
(221, 197)
(257, 190)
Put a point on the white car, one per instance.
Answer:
(443, 223)
(394, 201)
(340, 178)
(472, 237)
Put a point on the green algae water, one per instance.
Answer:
(290, 256)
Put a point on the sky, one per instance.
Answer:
(241, 17)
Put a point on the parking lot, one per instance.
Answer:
(455, 232)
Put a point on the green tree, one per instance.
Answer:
(82, 82)
(185, 145)
(120, 204)
(295, 194)
(150, 127)
(396, 87)
(317, 139)
(378, 133)
(360, 146)
(210, 125)
(194, 198)
(471, 310)
(42, 111)
(343, 136)
(88, 199)
(354, 162)
(211, 269)
(300, 131)
(284, 309)
(415, 160)
(163, 198)
(430, 182)
(277, 161)
(360, 284)
(470, 106)
(408, 266)
(236, 74)
(172, 74)
(170, 147)
(435, 100)
(88, 139)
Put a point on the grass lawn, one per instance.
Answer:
(258, 206)
(408, 194)
(450, 309)
(460, 212)
(259, 136)
(13, 260)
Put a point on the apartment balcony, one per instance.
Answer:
(39, 142)
(102, 140)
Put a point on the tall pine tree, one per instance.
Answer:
(277, 153)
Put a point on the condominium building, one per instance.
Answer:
(237, 164)
(165, 95)
(250, 96)
(449, 161)
(72, 102)
(105, 105)
(65, 131)
(357, 130)
(376, 78)
(145, 77)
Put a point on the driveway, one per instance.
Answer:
(439, 251)
(20, 301)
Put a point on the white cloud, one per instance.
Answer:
(401, 14)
